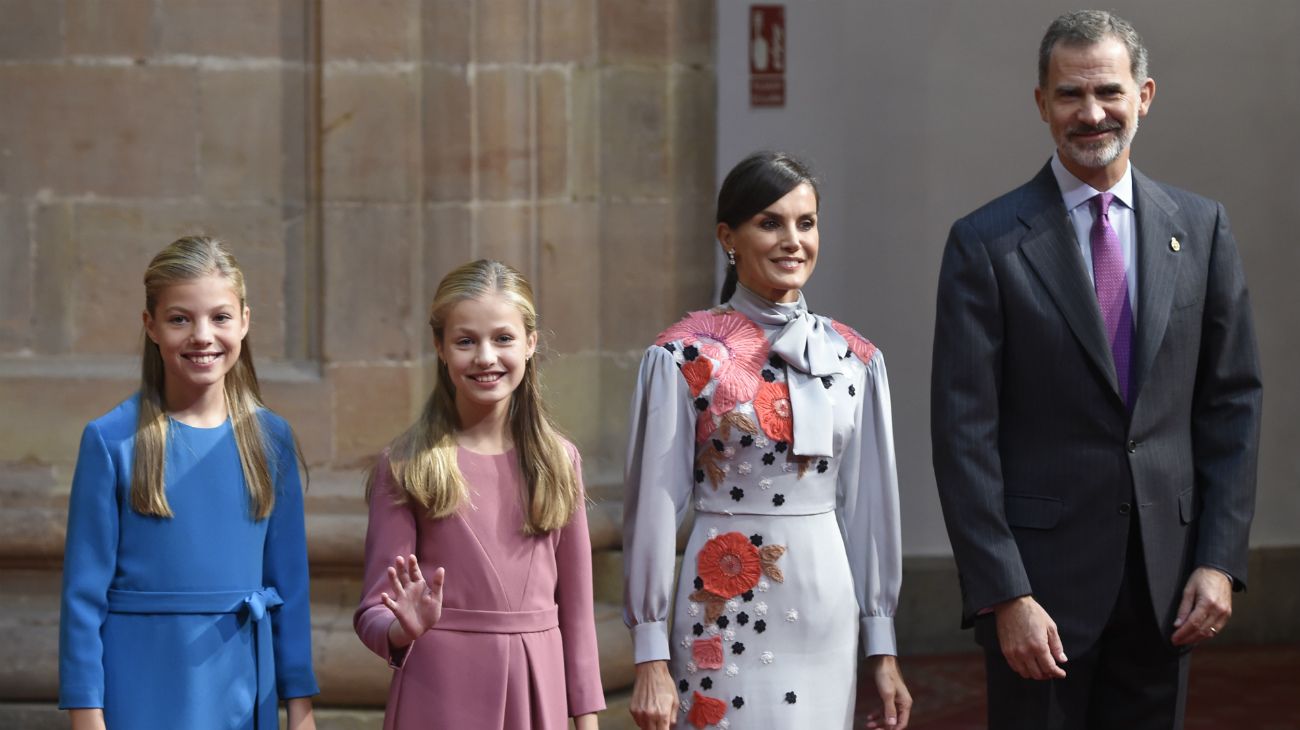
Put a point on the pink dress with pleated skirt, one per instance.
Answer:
(516, 645)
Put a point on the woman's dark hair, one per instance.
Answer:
(753, 184)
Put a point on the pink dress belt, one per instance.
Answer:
(498, 622)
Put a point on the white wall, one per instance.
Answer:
(915, 113)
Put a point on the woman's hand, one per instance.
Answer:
(895, 701)
(300, 714)
(415, 603)
(89, 718)
(654, 698)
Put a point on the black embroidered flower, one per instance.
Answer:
(699, 476)
(701, 404)
(698, 630)
(683, 686)
(748, 595)
(746, 440)
(768, 458)
(759, 626)
(768, 375)
(723, 621)
(737, 702)
(791, 698)
(719, 446)
(853, 390)
(699, 583)
(706, 683)
(757, 539)
(781, 446)
(737, 493)
(775, 360)
(737, 648)
(670, 347)
(827, 382)
(742, 618)
(690, 352)
(822, 466)
(778, 500)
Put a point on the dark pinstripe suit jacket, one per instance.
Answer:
(1040, 465)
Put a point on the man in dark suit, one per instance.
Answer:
(1095, 411)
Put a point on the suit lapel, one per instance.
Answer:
(1157, 272)
(1052, 251)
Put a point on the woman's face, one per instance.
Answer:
(776, 250)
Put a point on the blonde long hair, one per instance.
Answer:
(186, 259)
(423, 458)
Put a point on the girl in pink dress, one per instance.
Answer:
(482, 488)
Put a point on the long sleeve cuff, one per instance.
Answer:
(73, 697)
(878, 635)
(650, 641)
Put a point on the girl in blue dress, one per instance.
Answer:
(185, 598)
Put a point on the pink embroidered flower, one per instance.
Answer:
(858, 344)
(729, 565)
(704, 427)
(738, 360)
(772, 405)
(706, 711)
(707, 652)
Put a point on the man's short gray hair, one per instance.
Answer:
(1085, 27)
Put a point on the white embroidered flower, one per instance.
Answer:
(763, 585)
(685, 706)
(713, 532)
(732, 670)
(686, 642)
(788, 467)
(733, 605)
(791, 615)
(761, 441)
(728, 634)
(690, 667)
(744, 467)
(699, 504)
(724, 723)
(760, 609)
(767, 657)
(729, 452)
(764, 483)
(726, 468)
(712, 630)
(693, 609)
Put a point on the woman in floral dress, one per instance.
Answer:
(774, 424)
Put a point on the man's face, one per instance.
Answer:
(1092, 104)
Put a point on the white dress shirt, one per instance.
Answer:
(1077, 195)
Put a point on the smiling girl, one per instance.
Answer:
(185, 571)
(501, 634)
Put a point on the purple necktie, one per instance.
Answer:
(1112, 288)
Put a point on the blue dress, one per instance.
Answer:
(200, 621)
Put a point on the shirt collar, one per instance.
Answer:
(1076, 192)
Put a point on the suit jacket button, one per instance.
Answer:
(1124, 508)
(1132, 447)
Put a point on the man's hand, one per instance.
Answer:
(1029, 639)
(1206, 606)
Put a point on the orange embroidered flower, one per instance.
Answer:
(858, 344)
(697, 372)
(706, 710)
(707, 653)
(772, 404)
(729, 565)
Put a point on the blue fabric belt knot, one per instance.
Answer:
(254, 604)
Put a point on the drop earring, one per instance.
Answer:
(731, 257)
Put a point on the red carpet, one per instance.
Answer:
(1248, 687)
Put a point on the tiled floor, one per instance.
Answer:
(1248, 687)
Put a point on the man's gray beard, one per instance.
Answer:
(1100, 156)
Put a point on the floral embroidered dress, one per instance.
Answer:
(774, 424)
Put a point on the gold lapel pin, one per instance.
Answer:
(1174, 245)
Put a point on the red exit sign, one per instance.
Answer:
(767, 55)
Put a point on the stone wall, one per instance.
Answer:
(351, 152)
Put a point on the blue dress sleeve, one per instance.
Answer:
(285, 569)
(89, 562)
